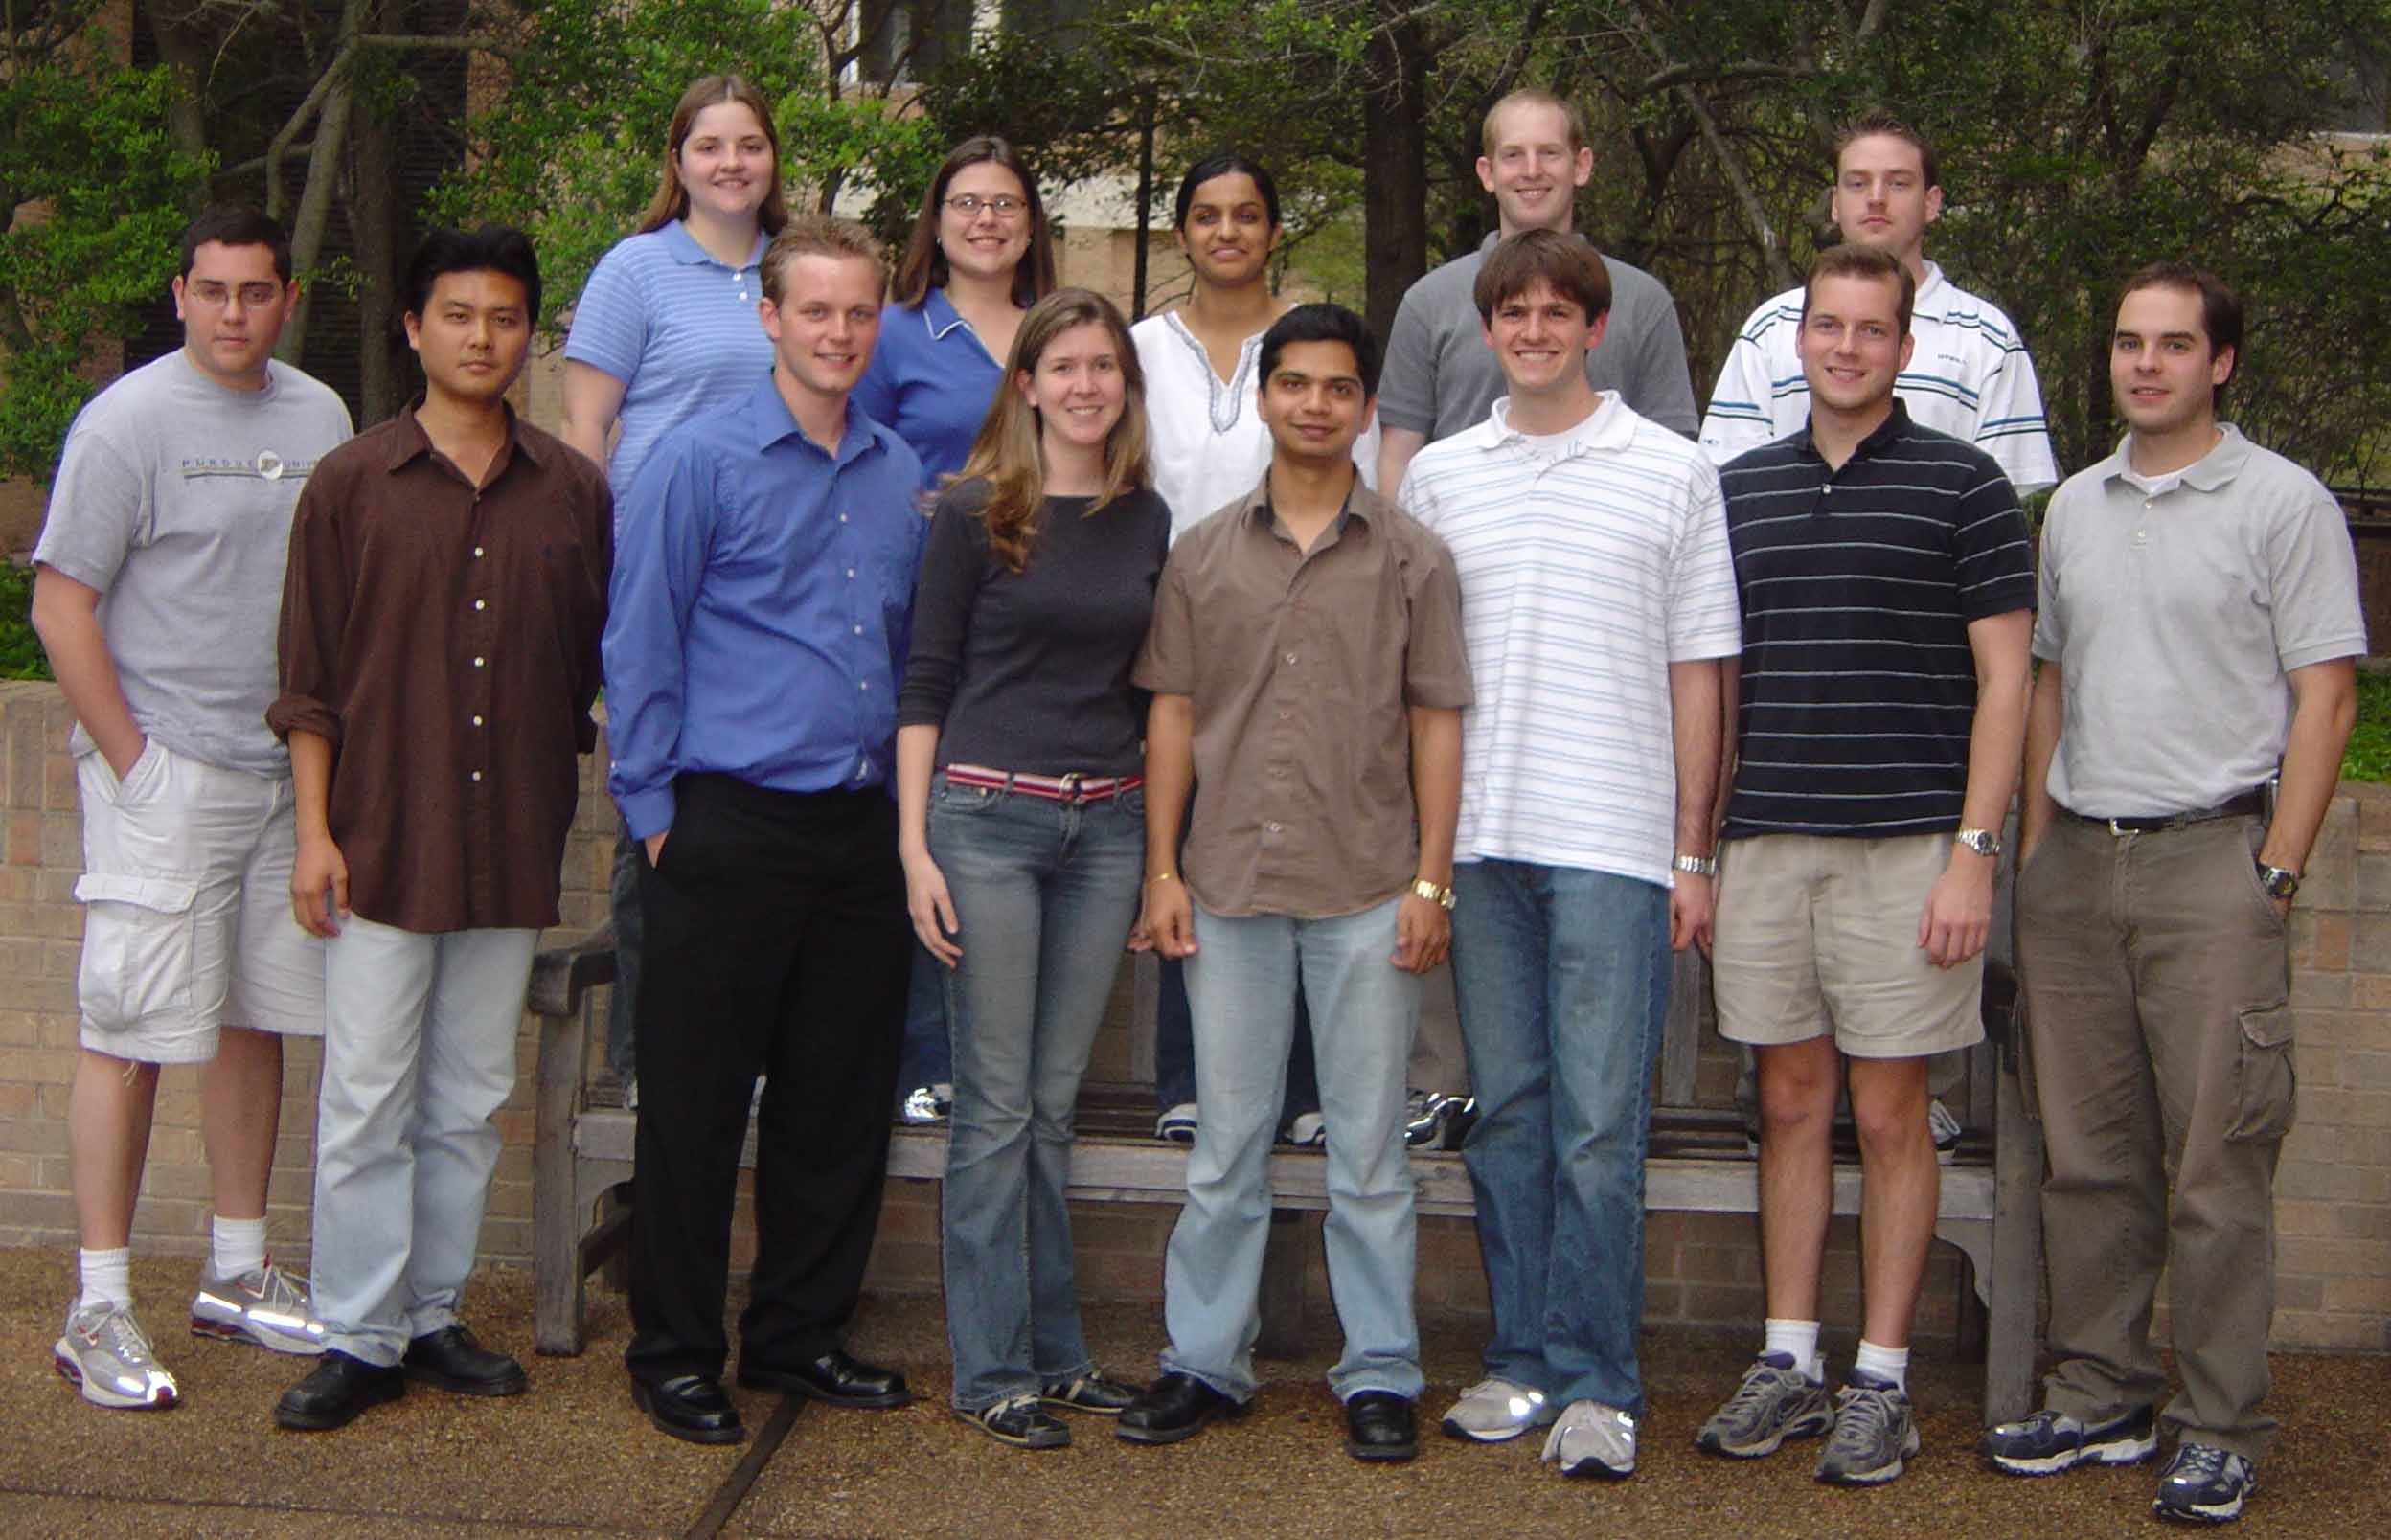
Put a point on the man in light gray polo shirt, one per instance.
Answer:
(158, 584)
(1440, 376)
(2197, 622)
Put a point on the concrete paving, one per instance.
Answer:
(574, 1459)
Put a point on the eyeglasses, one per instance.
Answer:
(212, 294)
(1004, 206)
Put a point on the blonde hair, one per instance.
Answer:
(818, 235)
(1007, 453)
(1528, 95)
(671, 199)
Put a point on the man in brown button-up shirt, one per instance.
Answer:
(1308, 675)
(441, 620)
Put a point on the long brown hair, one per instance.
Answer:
(671, 199)
(923, 265)
(1007, 453)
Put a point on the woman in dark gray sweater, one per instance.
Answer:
(1022, 829)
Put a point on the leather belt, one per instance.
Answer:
(1071, 788)
(2249, 803)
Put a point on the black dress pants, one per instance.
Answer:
(777, 945)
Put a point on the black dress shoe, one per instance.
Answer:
(834, 1379)
(451, 1359)
(1175, 1407)
(690, 1407)
(1379, 1425)
(337, 1389)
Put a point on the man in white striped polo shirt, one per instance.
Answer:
(1597, 599)
(1887, 593)
(1969, 374)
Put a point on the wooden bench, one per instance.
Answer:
(1698, 1163)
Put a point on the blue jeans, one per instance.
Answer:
(1561, 976)
(1240, 987)
(1175, 1049)
(1045, 892)
(926, 1055)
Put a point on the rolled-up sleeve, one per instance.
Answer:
(316, 585)
(1436, 655)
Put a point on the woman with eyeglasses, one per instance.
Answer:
(1023, 829)
(980, 256)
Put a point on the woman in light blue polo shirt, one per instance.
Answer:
(664, 328)
(980, 256)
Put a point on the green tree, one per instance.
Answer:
(92, 190)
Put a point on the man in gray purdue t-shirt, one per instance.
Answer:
(157, 591)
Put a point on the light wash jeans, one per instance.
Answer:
(1241, 991)
(419, 1053)
(1045, 892)
(1562, 979)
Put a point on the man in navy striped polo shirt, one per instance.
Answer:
(1887, 593)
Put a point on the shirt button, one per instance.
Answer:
(479, 606)
(1283, 716)
(477, 721)
(862, 685)
(858, 631)
(851, 572)
(1290, 659)
(477, 553)
(1272, 827)
(477, 663)
(842, 518)
(477, 775)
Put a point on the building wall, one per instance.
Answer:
(2333, 1193)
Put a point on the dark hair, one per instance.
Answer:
(670, 200)
(236, 224)
(1851, 261)
(493, 248)
(2220, 308)
(1322, 322)
(1569, 263)
(1226, 162)
(1881, 122)
(923, 265)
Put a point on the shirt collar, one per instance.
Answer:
(940, 315)
(772, 421)
(1611, 429)
(683, 248)
(1896, 422)
(2212, 471)
(409, 439)
(1928, 286)
(1360, 503)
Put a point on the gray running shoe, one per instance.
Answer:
(1775, 1402)
(1945, 1129)
(1592, 1439)
(1493, 1410)
(266, 1305)
(106, 1355)
(2204, 1484)
(1874, 1432)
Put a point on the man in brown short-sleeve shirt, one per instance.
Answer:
(441, 622)
(1308, 675)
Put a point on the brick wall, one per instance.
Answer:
(2333, 1193)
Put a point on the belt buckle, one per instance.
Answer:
(1069, 790)
(2115, 829)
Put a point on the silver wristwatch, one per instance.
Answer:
(1701, 866)
(1985, 841)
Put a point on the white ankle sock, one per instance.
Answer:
(106, 1278)
(239, 1244)
(1888, 1364)
(1800, 1340)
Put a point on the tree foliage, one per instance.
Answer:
(91, 198)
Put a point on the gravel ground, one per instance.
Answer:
(573, 1458)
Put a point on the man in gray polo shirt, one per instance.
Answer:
(1441, 377)
(158, 583)
(2197, 622)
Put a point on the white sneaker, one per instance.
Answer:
(1945, 1128)
(265, 1305)
(107, 1356)
(1592, 1439)
(1307, 1129)
(1493, 1410)
(1177, 1125)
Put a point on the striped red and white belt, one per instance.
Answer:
(1071, 788)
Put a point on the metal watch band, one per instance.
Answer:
(1701, 866)
(1433, 894)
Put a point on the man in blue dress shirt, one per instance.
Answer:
(758, 630)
